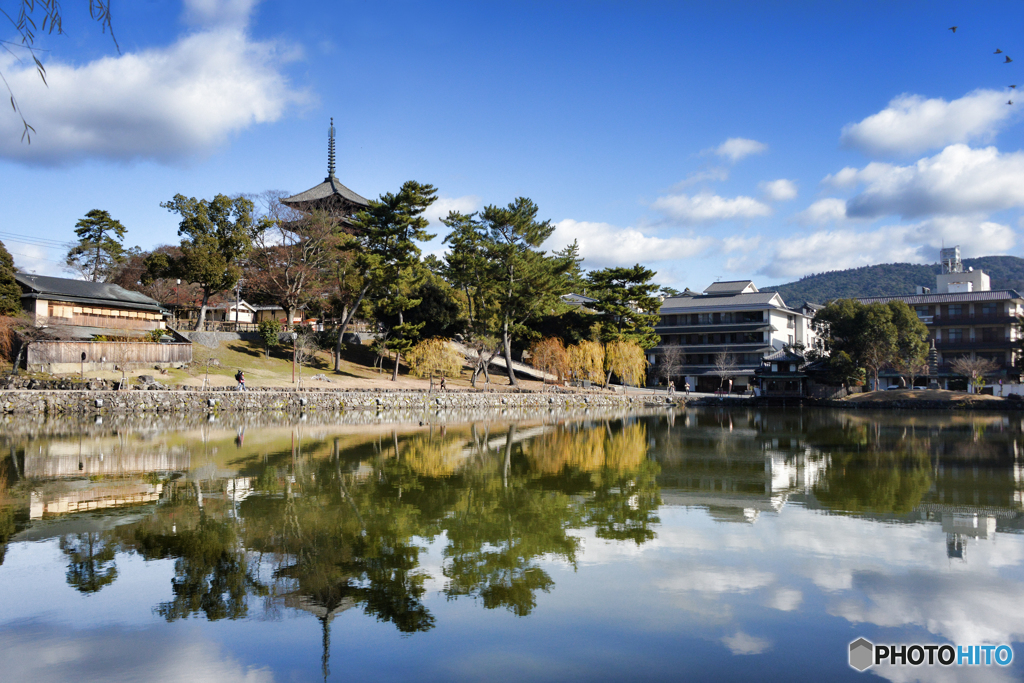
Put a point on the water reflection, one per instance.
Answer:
(325, 519)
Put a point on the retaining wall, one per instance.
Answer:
(107, 402)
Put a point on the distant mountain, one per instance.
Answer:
(1007, 272)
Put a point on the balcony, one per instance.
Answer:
(952, 320)
(971, 344)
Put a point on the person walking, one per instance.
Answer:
(240, 378)
(671, 388)
(686, 388)
(443, 385)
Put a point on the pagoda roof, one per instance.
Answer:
(331, 187)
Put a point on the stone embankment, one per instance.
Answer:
(1005, 405)
(64, 402)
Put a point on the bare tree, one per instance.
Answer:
(289, 262)
(725, 367)
(671, 363)
(306, 347)
(911, 367)
(974, 369)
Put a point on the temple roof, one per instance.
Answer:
(324, 192)
(330, 192)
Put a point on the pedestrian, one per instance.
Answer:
(240, 378)
(443, 386)
(671, 388)
(686, 388)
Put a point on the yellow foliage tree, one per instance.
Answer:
(627, 361)
(549, 355)
(586, 361)
(434, 357)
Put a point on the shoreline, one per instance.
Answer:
(104, 402)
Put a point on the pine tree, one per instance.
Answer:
(525, 282)
(627, 298)
(99, 249)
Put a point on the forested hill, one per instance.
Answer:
(1007, 272)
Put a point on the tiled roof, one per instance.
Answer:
(953, 298)
(40, 286)
(729, 286)
(329, 187)
(783, 354)
(694, 303)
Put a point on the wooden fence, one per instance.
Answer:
(70, 352)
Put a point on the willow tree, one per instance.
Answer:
(433, 357)
(549, 355)
(627, 361)
(586, 361)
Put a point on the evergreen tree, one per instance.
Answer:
(216, 236)
(626, 297)
(10, 292)
(525, 282)
(575, 281)
(99, 250)
(388, 255)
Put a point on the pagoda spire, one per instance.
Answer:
(330, 150)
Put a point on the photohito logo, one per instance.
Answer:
(864, 654)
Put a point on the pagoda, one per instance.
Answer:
(329, 196)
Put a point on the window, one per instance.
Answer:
(955, 334)
(988, 310)
(922, 311)
(991, 334)
(956, 310)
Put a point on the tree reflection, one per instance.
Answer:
(879, 481)
(90, 561)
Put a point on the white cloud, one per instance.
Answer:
(912, 124)
(603, 245)
(838, 249)
(445, 205)
(707, 208)
(43, 651)
(737, 148)
(780, 190)
(957, 181)
(785, 599)
(823, 211)
(843, 179)
(162, 103)
(745, 644)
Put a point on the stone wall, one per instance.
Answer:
(116, 402)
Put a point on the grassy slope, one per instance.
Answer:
(1007, 272)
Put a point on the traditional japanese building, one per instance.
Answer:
(329, 196)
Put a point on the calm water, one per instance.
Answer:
(707, 545)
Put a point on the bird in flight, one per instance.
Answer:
(953, 28)
(1009, 101)
(998, 52)
(1008, 60)
(1013, 86)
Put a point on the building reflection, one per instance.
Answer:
(332, 526)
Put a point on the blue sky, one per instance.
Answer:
(707, 140)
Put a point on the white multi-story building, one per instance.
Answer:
(733, 318)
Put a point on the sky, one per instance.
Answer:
(727, 140)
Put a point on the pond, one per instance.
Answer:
(700, 544)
